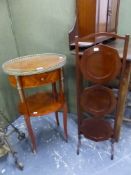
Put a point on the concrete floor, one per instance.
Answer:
(56, 157)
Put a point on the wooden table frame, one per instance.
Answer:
(35, 71)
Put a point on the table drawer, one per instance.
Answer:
(36, 79)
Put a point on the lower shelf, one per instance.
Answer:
(41, 103)
(96, 130)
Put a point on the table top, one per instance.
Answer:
(115, 44)
(34, 64)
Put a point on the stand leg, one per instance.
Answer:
(112, 148)
(122, 100)
(57, 118)
(65, 121)
(79, 143)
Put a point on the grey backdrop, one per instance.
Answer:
(41, 26)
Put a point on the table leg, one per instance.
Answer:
(26, 117)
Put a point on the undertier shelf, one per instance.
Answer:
(96, 129)
(41, 103)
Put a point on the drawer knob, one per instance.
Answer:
(42, 79)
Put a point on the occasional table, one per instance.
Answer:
(34, 71)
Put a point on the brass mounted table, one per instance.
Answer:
(34, 71)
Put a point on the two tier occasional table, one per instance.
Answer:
(34, 71)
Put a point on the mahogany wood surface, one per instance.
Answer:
(100, 64)
(42, 103)
(86, 16)
(94, 16)
(97, 130)
(98, 101)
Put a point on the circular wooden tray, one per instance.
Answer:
(96, 130)
(100, 64)
(98, 100)
(33, 64)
